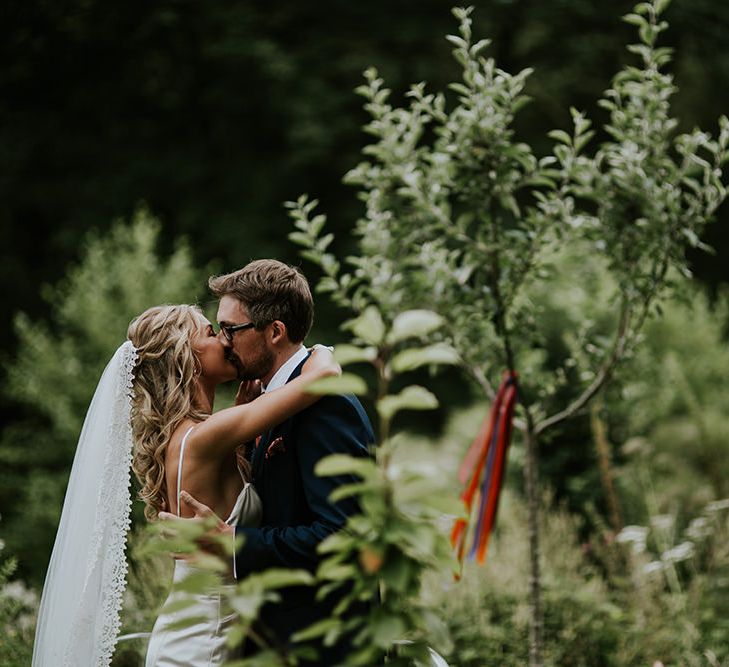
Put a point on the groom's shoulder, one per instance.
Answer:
(342, 408)
(341, 404)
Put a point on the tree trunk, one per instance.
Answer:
(602, 448)
(535, 592)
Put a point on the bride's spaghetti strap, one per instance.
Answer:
(179, 467)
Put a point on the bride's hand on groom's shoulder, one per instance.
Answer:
(248, 391)
(321, 362)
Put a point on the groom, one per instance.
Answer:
(265, 312)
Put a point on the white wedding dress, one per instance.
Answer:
(202, 643)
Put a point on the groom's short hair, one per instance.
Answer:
(270, 290)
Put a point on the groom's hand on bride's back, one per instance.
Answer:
(210, 540)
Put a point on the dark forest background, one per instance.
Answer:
(213, 114)
(216, 113)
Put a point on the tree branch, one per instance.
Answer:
(602, 377)
(481, 379)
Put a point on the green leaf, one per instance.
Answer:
(317, 224)
(300, 238)
(336, 571)
(351, 354)
(348, 490)
(206, 561)
(413, 397)
(457, 41)
(660, 6)
(444, 504)
(248, 605)
(635, 19)
(397, 572)
(316, 629)
(421, 539)
(323, 591)
(583, 140)
(339, 541)
(236, 634)
(386, 628)
(440, 353)
(479, 46)
(412, 324)
(178, 604)
(281, 578)
(198, 581)
(368, 326)
(346, 383)
(561, 136)
(186, 622)
(343, 464)
(308, 653)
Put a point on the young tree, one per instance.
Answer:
(462, 216)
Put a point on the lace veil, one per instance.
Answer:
(78, 620)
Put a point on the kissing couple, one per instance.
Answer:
(252, 463)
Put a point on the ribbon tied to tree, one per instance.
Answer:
(482, 473)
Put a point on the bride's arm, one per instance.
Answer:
(223, 431)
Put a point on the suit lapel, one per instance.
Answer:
(259, 455)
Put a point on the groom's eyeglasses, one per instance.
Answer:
(229, 329)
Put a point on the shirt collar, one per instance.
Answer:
(282, 375)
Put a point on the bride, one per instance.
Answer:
(152, 411)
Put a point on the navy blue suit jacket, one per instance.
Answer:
(297, 512)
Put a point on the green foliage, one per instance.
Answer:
(119, 276)
(462, 215)
(634, 600)
(59, 361)
(163, 119)
(675, 380)
(17, 616)
(383, 553)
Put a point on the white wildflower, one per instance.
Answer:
(718, 505)
(16, 590)
(653, 567)
(680, 552)
(635, 535)
(699, 528)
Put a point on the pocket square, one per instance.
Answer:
(275, 447)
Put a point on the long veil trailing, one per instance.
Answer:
(78, 620)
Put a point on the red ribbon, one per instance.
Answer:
(483, 468)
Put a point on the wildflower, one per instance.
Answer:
(699, 528)
(16, 590)
(680, 552)
(635, 535)
(718, 505)
(653, 566)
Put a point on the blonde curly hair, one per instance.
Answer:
(163, 391)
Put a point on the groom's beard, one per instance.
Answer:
(253, 370)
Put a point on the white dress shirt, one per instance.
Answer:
(282, 375)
